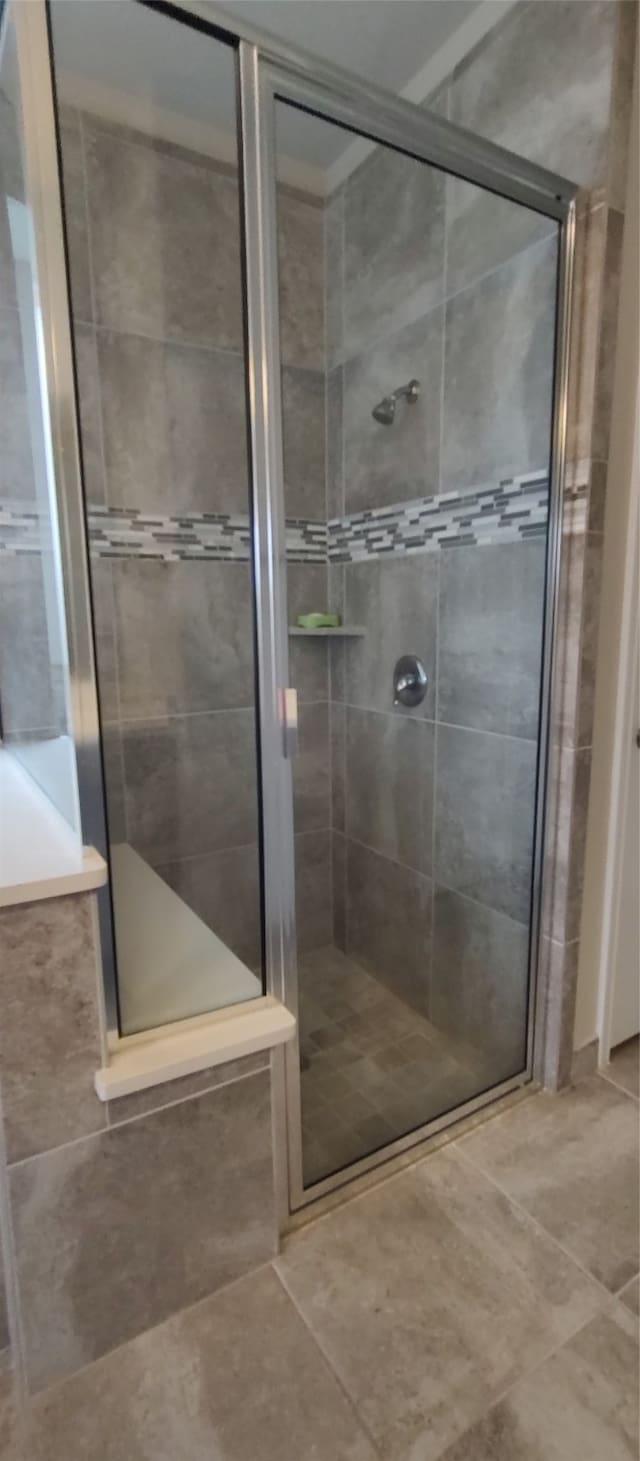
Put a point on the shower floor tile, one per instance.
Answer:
(373, 1068)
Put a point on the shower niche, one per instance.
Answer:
(317, 375)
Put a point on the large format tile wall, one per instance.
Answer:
(31, 675)
(113, 1216)
(433, 809)
(154, 236)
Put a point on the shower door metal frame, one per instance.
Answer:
(268, 76)
(271, 71)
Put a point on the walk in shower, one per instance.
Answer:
(318, 346)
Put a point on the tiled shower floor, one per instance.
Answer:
(373, 1068)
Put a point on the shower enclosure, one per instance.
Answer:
(310, 376)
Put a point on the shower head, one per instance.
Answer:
(385, 411)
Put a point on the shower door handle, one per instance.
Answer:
(289, 713)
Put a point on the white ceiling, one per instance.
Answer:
(141, 67)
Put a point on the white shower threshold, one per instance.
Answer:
(190, 1001)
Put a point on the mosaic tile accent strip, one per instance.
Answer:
(20, 529)
(130, 533)
(510, 511)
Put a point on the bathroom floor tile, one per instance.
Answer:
(630, 1295)
(572, 1162)
(430, 1296)
(581, 1405)
(237, 1378)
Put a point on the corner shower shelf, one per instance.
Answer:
(343, 631)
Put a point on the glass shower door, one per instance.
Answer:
(417, 327)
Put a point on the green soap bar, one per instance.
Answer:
(318, 621)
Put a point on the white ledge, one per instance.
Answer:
(39, 855)
(140, 1061)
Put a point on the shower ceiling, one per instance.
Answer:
(384, 41)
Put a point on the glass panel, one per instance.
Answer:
(35, 722)
(149, 158)
(417, 335)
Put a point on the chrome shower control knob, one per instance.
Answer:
(410, 681)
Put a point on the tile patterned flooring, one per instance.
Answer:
(478, 1306)
(373, 1069)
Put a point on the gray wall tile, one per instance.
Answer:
(337, 724)
(102, 572)
(308, 658)
(499, 346)
(113, 767)
(174, 426)
(314, 918)
(570, 776)
(485, 800)
(300, 259)
(32, 687)
(541, 85)
(223, 888)
(165, 242)
(176, 1204)
(490, 630)
(388, 464)
(334, 443)
(339, 889)
(191, 784)
(591, 229)
(390, 785)
(49, 1035)
(311, 769)
(485, 231)
(479, 981)
(621, 100)
(303, 431)
(141, 1103)
(12, 185)
(395, 600)
(334, 274)
(88, 382)
(389, 923)
(394, 246)
(608, 329)
(184, 636)
(15, 434)
(76, 217)
(578, 622)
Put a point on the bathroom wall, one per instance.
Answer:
(157, 301)
(112, 1216)
(32, 694)
(432, 809)
(432, 826)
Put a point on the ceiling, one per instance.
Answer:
(139, 66)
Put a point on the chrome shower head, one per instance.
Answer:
(385, 411)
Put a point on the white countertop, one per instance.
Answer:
(39, 855)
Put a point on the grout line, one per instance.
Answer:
(442, 302)
(605, 1076)
(129, 1120)
(534, 1221)
(178, 1315)
(361, 1423)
